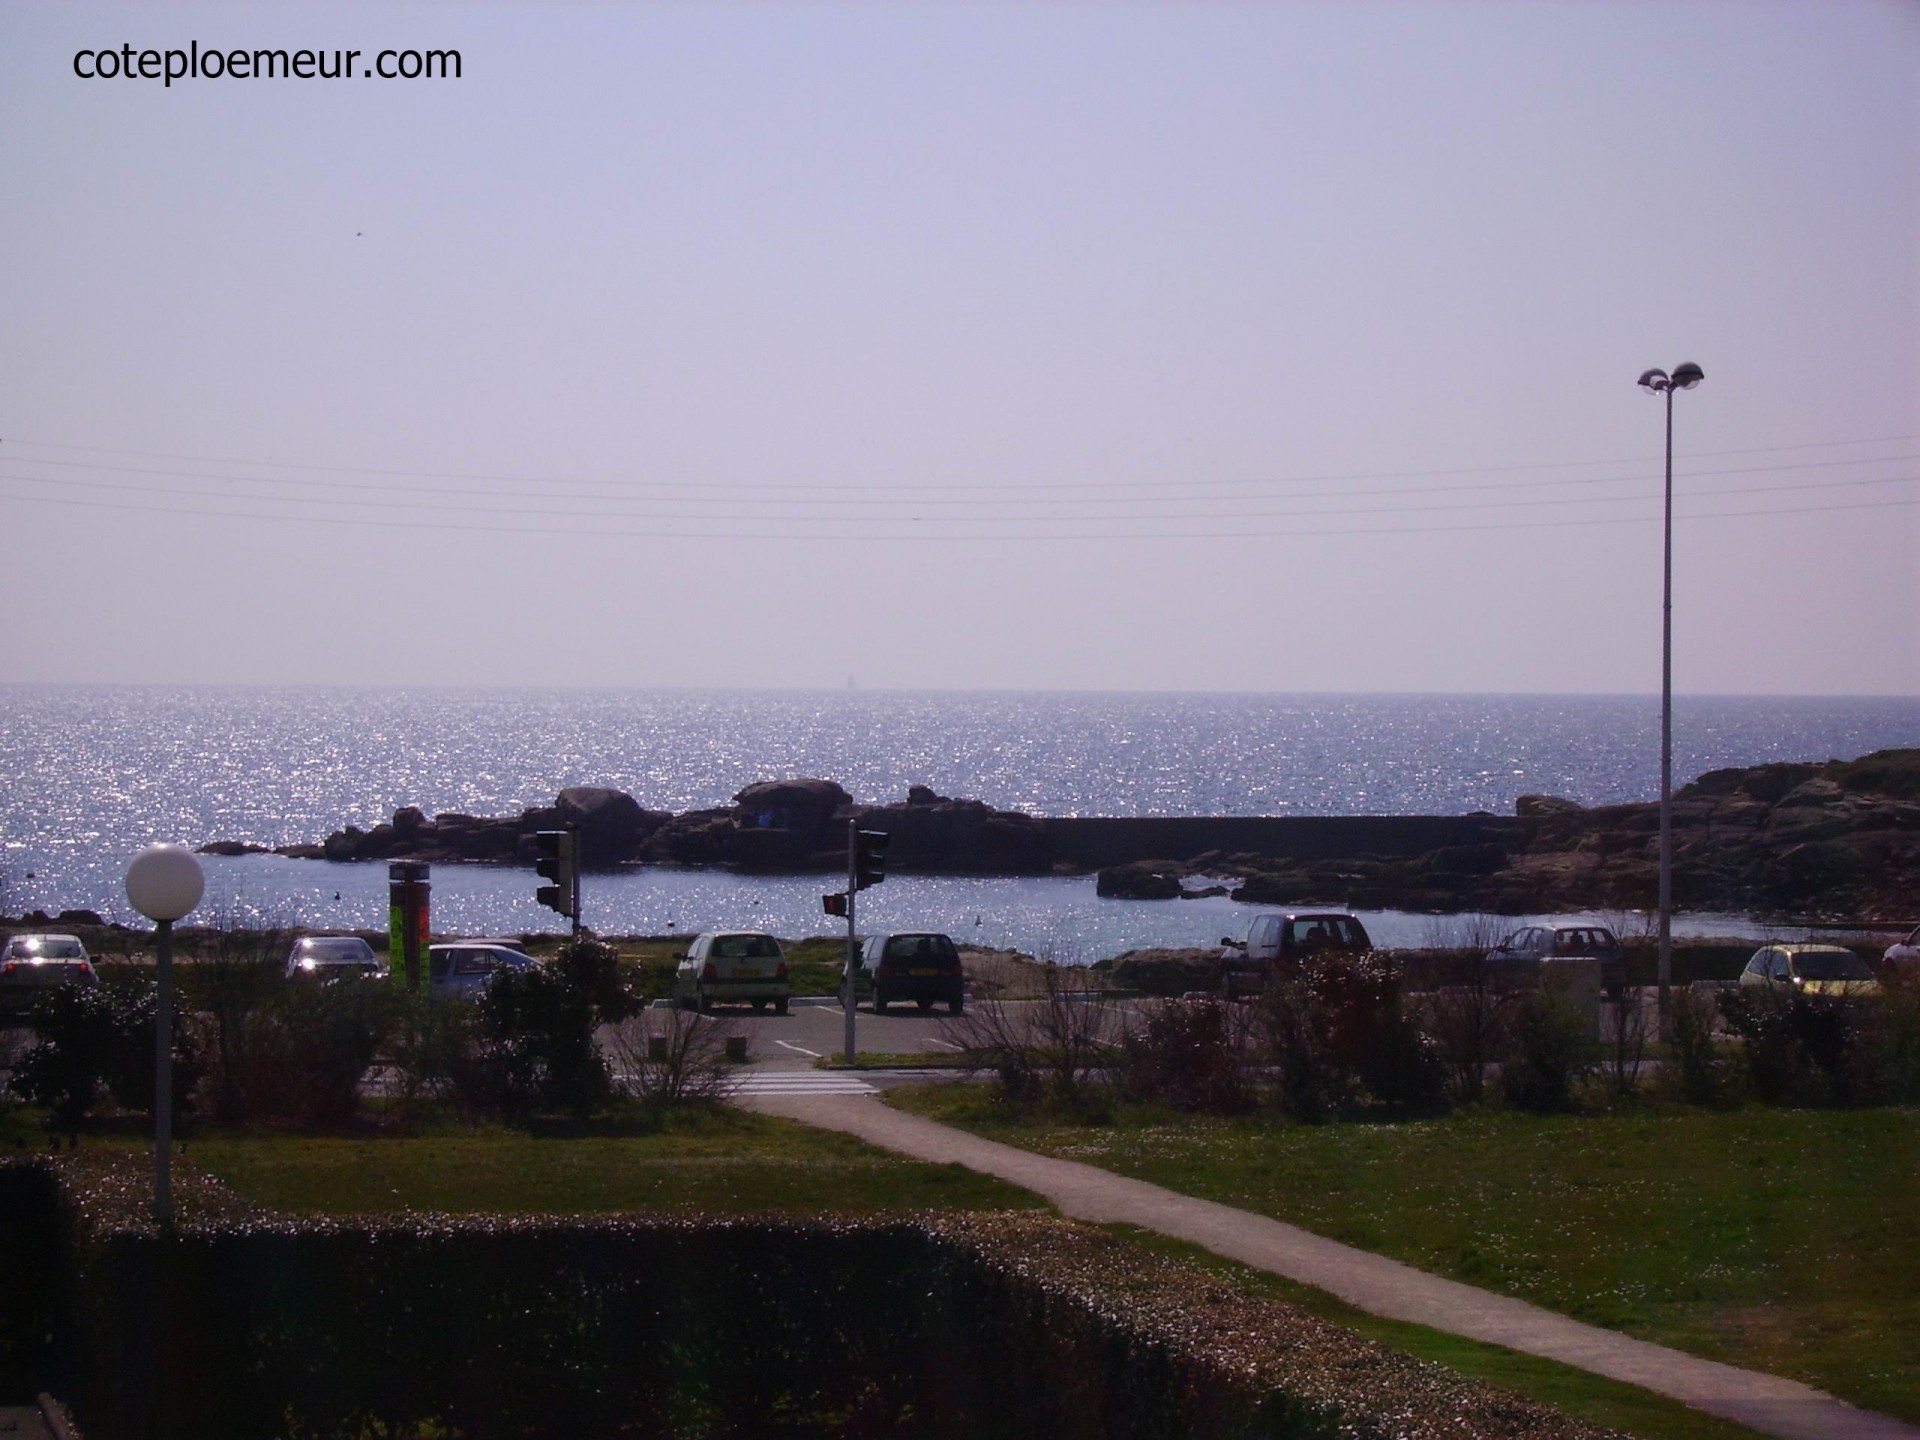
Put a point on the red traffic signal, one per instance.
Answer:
(835, 904)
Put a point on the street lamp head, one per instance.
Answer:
(164, 882)
(1688, 376)
(1654, 381)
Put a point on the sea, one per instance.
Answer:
(91, 774)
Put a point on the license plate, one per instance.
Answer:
(918, 973)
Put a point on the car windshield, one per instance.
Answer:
(340, 950)
(48, 947)
(1830, 965)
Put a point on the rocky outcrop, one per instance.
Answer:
(1842, 838)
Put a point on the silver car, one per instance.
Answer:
(33, 964)
(333, 957)
(463, 969)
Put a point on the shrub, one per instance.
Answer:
(96, 1040)
(593, 967)
(1805, 1049)
(538, 1029)
(1338, 1031)
(1189, 1055)
(1467, 1018)
(309, 1047)
(1699, 1071)
(1546, 1053)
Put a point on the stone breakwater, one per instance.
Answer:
(1840, 838)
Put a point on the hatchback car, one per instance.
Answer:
(915, 965)
(732, 965)
(1905, 953)
(32, 964)
(463, 969)
(1811, 970)
(333, 957)
(1529, 946)
(1281, 939)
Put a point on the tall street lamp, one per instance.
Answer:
(164, 883)
(1659, 382)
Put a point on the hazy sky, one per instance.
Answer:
(1156, 346)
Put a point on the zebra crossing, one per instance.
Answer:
(799, 1082)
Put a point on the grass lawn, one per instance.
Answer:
(1603, 1402)
(729, 1162)
(1786, 1241)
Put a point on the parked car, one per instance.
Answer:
(463, 969)
(913, 965)
(1905, 952)
(333, 957)
(1279, 939)
(31, 964)
(732, 965)
(1810, 969)
(1527, 947)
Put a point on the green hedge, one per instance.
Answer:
(965, 1326)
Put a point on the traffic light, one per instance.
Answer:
(557, 863)
(834, 904)
(869, 857)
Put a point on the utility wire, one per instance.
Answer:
(861, 488)
(932, 534)
(778, 499)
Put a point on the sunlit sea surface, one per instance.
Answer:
(88, 775)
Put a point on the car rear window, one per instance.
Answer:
(40, 948)
(1335, 930)
(936, 948)
(746, 947)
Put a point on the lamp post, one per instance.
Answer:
(164, 883)
(1659, 382)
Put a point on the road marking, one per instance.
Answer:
(789, 1082)
(946, 1044)
(784, 1045)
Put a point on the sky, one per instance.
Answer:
(1250, 347)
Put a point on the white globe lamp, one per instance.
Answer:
(164, 882)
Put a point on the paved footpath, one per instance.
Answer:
(1369, 1282)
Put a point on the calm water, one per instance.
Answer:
(90, 774)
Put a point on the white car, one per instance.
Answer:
(30, 964)
(732, 965)
(333, 957)
(1905, 953)
(463, 969)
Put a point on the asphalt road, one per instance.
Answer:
(812, 1029)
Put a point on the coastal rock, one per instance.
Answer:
(1529, 807)
(1142, 880)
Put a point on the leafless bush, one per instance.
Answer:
(669, 1058)
(1473, 931)
(1469, 1022)
(1056, 1044)
(1699, 1072)
(1628, 1027)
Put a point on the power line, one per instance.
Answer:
(932, 534)
(784, 500)
(862, 488)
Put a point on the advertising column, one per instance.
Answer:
(407, 923)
